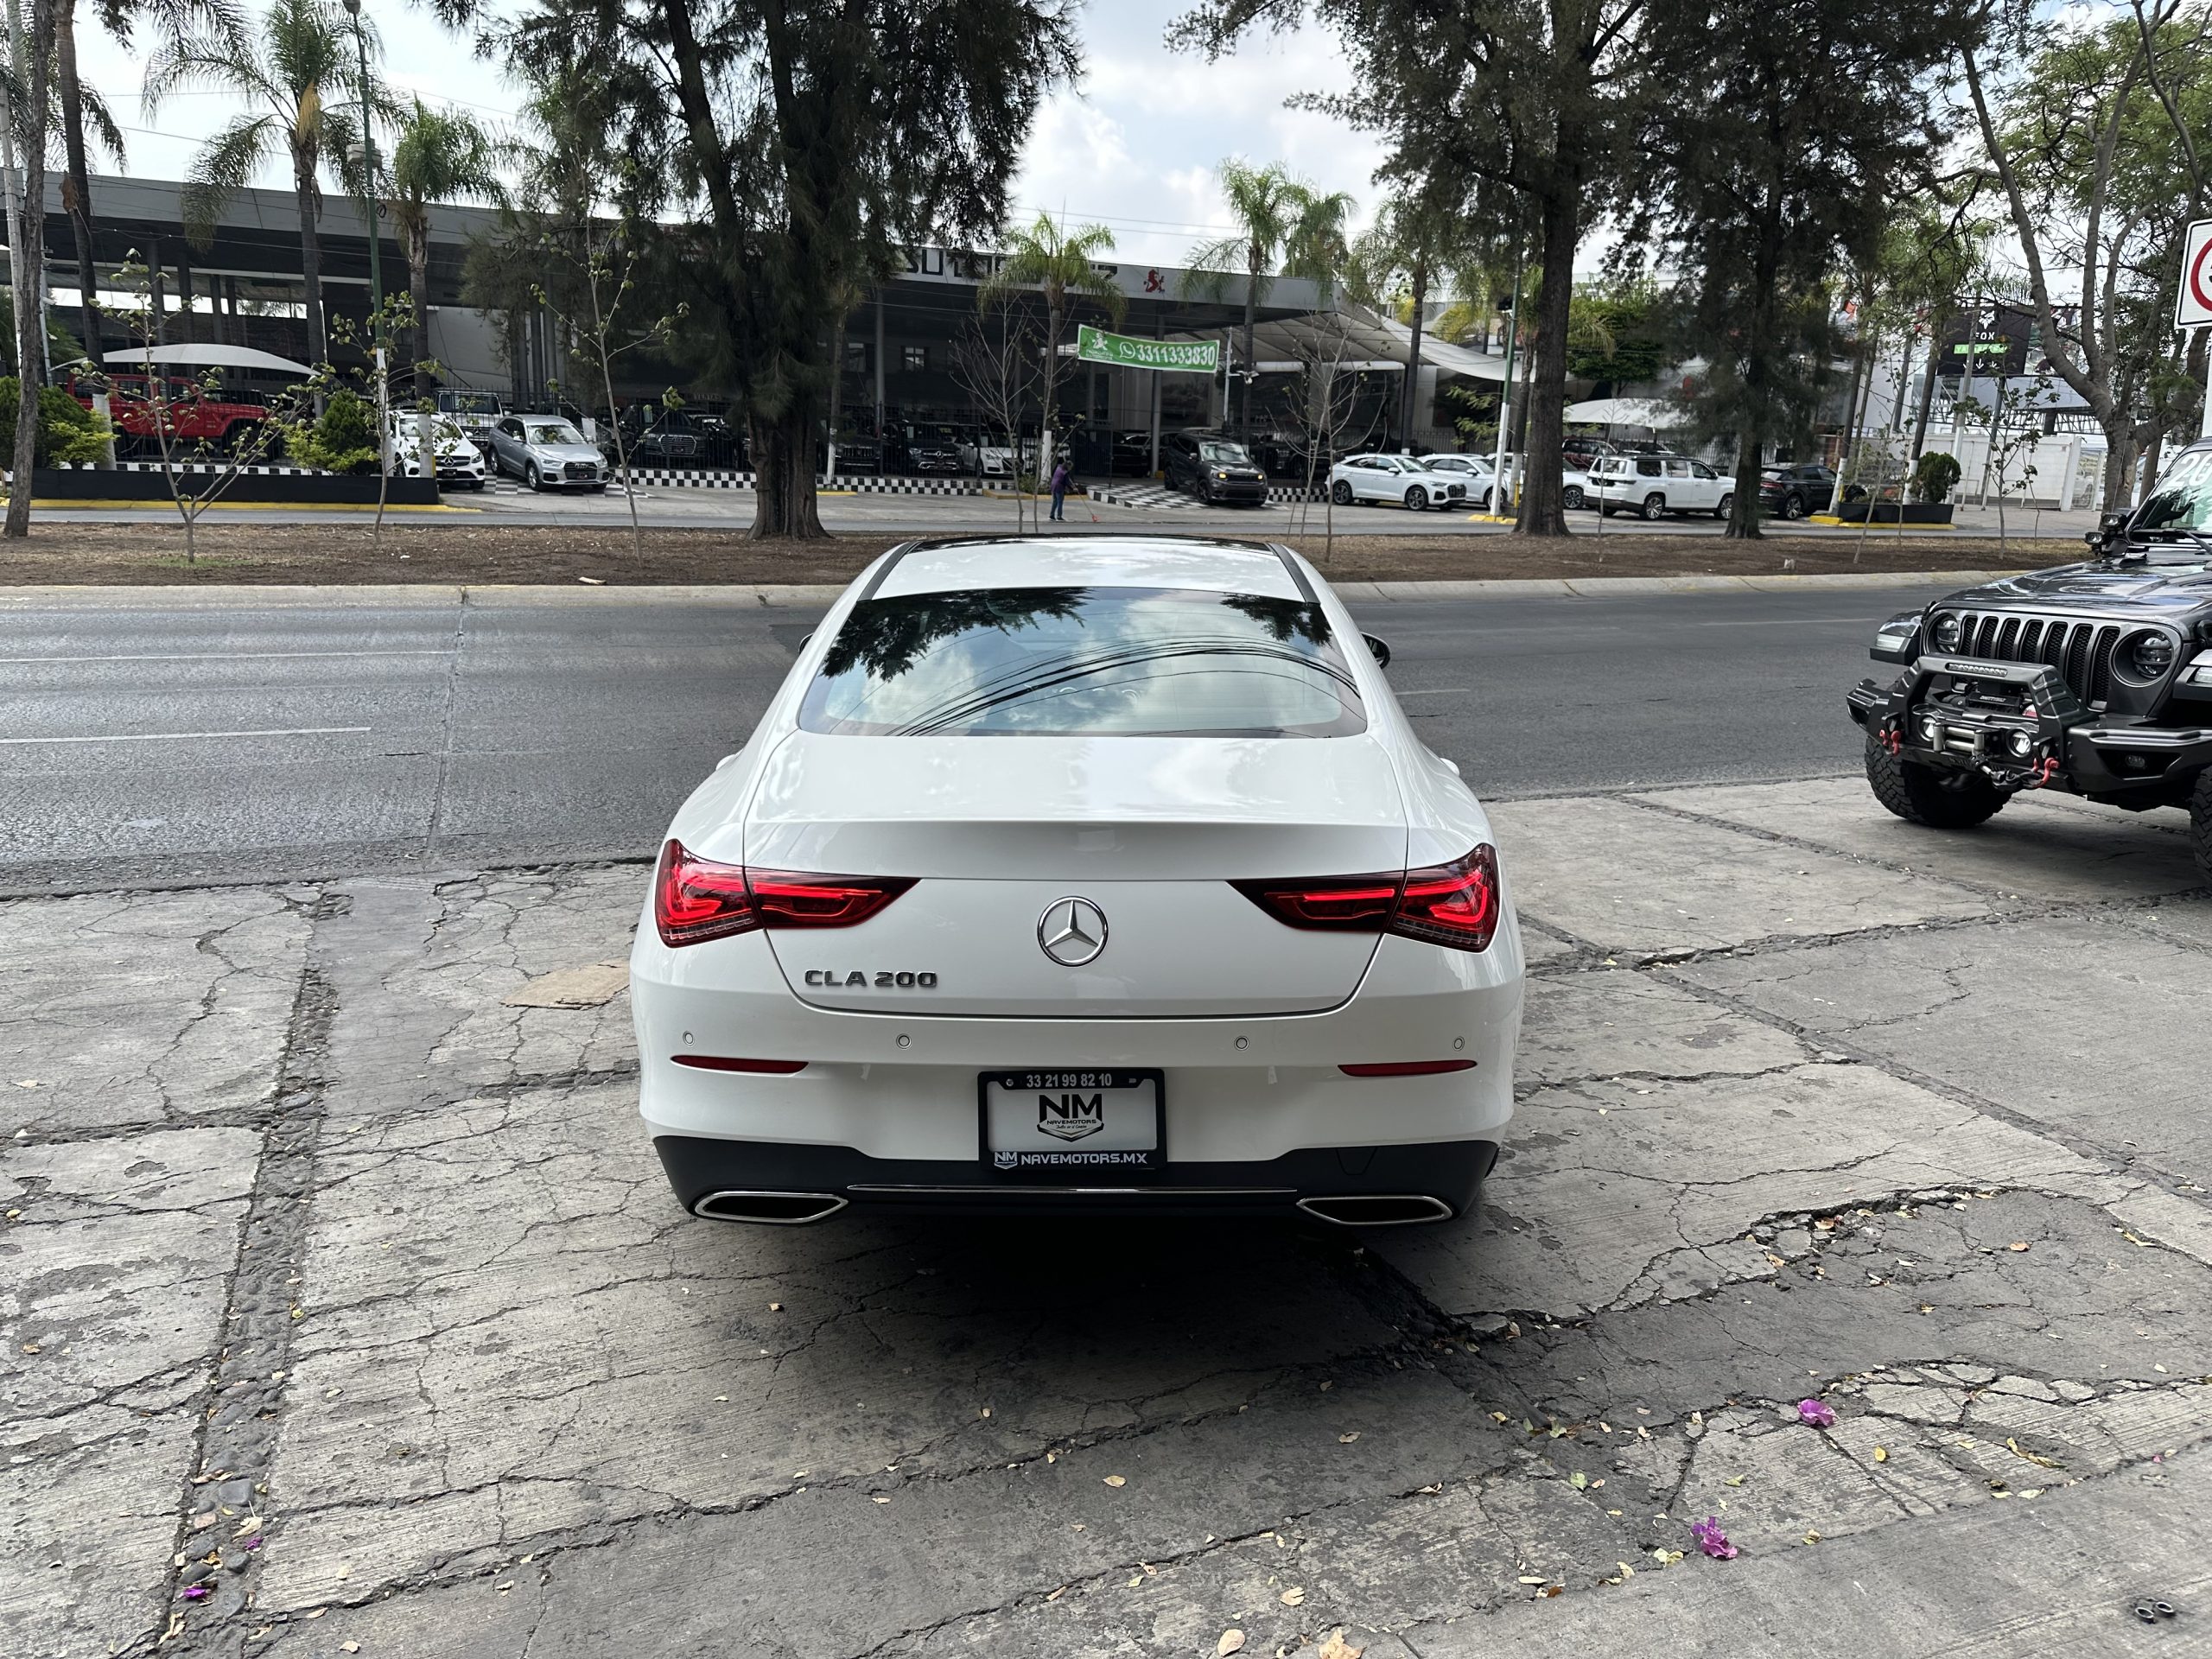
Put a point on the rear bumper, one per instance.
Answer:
(1449, 1172)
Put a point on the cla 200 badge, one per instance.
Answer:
(884, 982)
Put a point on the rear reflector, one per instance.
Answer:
(727, 1062)
(695, 898)
(1406, 1068)
(1454, 905)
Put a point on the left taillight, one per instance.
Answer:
(696, 899)
(1454, 905)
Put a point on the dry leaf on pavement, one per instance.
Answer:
(1117, 1480)
(1336, 1648)
(1232, 1641)
(1294, 1597)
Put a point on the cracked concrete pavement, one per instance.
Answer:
(350, 1313)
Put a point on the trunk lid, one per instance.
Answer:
(998, 831)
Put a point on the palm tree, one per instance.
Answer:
(298, 73)
(85, 120)
(1415, 243)
(1283, 220)
(1060, 263)
(438, 156)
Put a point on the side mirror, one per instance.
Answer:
(1376, 649)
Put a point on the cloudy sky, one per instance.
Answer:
(1134, 147)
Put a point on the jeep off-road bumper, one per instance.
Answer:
(2020, 726)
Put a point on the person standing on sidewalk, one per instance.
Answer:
(1060, 482)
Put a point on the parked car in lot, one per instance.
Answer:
(547, 453)
(1792, 492)
(1579, 451)
(2094, 679)
(1404, 480)
(1146, 899)
(196, 413)
(1211, 468)
(1132, 453)
(1478, 473)
(474, 412)
(459, 464)
(939, 447)
(1654, 486)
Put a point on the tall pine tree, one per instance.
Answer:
(1778, 169)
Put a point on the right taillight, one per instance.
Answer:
(1454, 905)
(695, 898)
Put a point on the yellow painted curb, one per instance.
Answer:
(1834, 522)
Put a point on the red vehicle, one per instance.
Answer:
(197, 416)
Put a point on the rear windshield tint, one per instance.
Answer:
(1062, 662)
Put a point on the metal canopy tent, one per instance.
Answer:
(1649, 413)
(191, 355)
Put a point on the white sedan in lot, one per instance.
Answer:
(1080, 874)
(1395, 479)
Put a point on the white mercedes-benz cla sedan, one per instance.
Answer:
(1080, 874)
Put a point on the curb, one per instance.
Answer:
(795, 595)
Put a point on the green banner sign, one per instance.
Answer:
(1126, 351)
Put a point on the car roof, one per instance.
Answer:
(957, 566)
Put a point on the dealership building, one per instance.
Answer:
(243, 286)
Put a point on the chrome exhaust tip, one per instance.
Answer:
(769, 1209)
(1378, 1209)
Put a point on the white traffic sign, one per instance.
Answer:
(2193, 306)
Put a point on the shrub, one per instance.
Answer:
(67, 431)
(342, 439)
(1933, 476)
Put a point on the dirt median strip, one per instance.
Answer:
(325, 555)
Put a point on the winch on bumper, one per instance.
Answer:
(2020, 726)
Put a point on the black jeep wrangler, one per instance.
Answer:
(2096, 678)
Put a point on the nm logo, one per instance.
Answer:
(1071, 1117)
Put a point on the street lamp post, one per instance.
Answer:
(369, 215)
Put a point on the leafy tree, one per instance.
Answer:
(439, 156)
(1059, 263)
(1281, 219)
(61, 346)
(1781, 157)
(1617, 334)
(2091, 136)
(295, 69)
(791, 153)
(1529, 102)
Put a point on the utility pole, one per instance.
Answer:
(1499, 496)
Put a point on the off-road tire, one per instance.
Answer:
(2200, 823)
(1937, 797)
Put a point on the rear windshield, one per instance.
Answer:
(1066, 661)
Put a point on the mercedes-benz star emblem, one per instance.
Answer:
(1072, 932)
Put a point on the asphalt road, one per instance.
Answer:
(147, 740)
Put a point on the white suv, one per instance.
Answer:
(1395, 478)
(1656, 485)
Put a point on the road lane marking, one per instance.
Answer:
(178, 737)
(223, 656)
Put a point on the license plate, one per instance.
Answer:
(1078, 1124)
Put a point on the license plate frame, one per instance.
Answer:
(1065, 1164)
